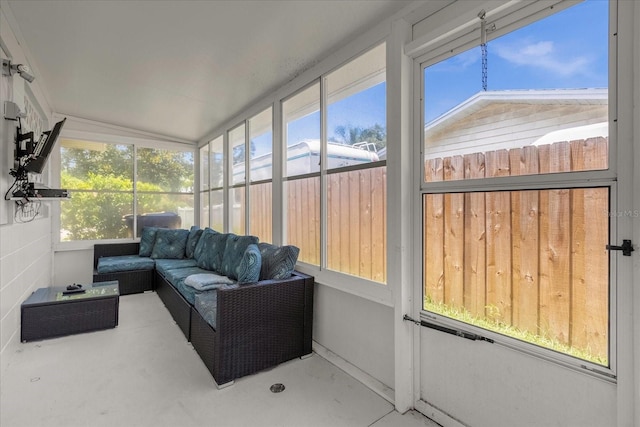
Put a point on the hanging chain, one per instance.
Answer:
(483, 47)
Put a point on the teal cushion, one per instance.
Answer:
(115, 264)
(210, 250)
(170, 243)
(192, 241)
(278, 262)
(164, 265)
(147, 240)
(248, 270)
(233, 253)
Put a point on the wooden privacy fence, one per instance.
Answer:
(535, 259)
(356, 220)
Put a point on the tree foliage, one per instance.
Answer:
(101, 214)
(349, 135)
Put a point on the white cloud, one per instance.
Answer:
(542, 54)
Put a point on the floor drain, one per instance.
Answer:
(277, 388)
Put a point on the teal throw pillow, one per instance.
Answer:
(233, 253)
(278, 262)
(210, 250)
(170, 243)
(192, 241)
(147, 240)
(248, 270)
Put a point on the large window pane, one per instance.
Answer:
(356, 111)
(165, 170)
(161, 176)
(261, 145)
(532, 265)
(204, 168)
(547, 101)
(99, 178)
(205, 209)
(260, 164)
(217, 162)
(238, 146)
(356, 223)
(301, 115)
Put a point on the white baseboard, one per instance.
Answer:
(376, 386)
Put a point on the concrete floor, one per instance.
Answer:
(144, 373)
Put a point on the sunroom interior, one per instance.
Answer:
(460, 217)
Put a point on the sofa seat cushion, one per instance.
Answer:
(175, 275)
(163, 265)
(206, 303)
(170, 243)
(115, 264)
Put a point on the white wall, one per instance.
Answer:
(358, 330)
(25, 248)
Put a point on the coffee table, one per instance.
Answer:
(47, 313)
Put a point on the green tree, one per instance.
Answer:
(349, 135)
(108, 169)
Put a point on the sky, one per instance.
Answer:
(566, 50)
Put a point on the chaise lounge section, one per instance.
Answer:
(257, 315)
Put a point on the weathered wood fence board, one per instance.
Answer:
(533, 259)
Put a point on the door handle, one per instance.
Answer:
(626, 248)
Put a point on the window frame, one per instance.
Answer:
(426, 54)
(367, 288)
(136, 143)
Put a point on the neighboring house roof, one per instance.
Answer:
(507, 119)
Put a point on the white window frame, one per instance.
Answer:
(435, 47)
(60, 246)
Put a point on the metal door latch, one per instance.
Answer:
(626, 248)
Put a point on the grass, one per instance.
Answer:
(491, 324)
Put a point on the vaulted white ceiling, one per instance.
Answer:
(180, 68)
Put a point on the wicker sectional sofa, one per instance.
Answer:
(238, 327)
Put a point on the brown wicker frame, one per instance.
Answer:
(257, 326)
(131, 282)
(179, 307)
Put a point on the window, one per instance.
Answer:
(356, 171)
(527, 259)
(237, 179)
(301, 117)
(205, 204)
(261, 174)
(109, 201)
(351, 155)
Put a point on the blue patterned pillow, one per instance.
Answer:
(147, 240)
(170, 243)
(210, 250)
(192, 241)
(248, 271)
(277, 262)
(233, 253)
